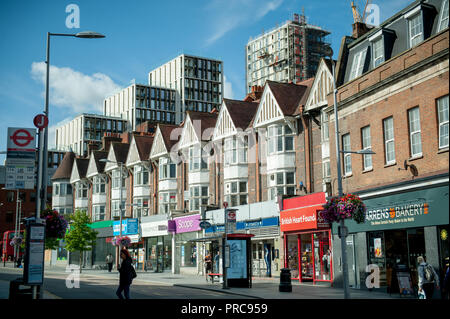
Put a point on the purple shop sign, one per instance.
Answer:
(187, 224)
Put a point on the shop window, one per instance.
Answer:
(292, 255)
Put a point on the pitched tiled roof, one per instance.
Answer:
(308, 84)
(144, 146)
(166, 132)
(208, 121)
(98, 155)
(82, 166)
(241, 112)
(121, 151)
(288, 95)
(64, 169)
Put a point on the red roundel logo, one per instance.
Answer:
(21, 138)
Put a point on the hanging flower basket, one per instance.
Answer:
(16, 241)
(348, 206)
(55, 224)
(124, 241)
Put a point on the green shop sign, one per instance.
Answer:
(420, 208)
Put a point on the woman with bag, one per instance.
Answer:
(428, 279)
(127, 274)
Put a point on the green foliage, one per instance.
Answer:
(80, 236)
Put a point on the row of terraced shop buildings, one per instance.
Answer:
(273, 157)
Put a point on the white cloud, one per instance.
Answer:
(75, 90)
(229, 14)
(227, 89)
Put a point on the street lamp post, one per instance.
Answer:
(342, 228)
(42, 177)
(43, 142)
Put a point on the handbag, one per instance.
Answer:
(133, 273)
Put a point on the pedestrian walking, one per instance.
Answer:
(208, 265)
(109, 261)
(428, 278)
(127, 273)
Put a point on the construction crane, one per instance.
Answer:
(357, 17)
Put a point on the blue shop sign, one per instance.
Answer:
(129, 227)
(266, 222)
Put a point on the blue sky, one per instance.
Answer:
(140, 36)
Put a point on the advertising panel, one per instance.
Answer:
(187, 224)
(238, 259)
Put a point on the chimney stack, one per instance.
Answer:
(108, 138)
(359, 29)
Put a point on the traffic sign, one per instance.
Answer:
(21, 138)
(40, 121)
(225, 204)
(21, 144)
(204, 224)
(231, 215)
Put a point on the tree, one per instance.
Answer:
(80, 237)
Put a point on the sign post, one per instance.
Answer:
(34, 256)
(226, 249)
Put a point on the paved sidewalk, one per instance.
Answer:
(265, 288)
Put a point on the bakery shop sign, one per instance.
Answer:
(303, 218)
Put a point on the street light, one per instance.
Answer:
(342, 228)
(120, 164)
(43, 143)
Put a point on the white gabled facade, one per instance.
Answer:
(277, 144)
(112, 169)
(317, 99)
(80, 186)
(99, 182)
(141, 178)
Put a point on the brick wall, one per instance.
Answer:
(421, 87)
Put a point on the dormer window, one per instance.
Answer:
(358, 64)
(443, 18)
(415, 30)
(378, 52)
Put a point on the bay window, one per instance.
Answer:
(140, 207)
(235, 151)
(82, 190)
(167, 202)
(116, 179)
(99, 185)
(281, 183)
(198, 196)
(236, 193)
(196, 162)
(167, 169)
(280, 139)
(140, 175)
(99, 213)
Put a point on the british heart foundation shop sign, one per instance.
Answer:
(306, 217)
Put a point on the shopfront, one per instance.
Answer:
(130, 228)
(187, 229)
(400, 227)
(157, 243)
(103, 245)
(307, 239)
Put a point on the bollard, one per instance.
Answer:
(285, 280)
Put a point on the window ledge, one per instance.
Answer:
(367, 170)
(443, 150)
(348, 175)
(391, 164)
(415, 158)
